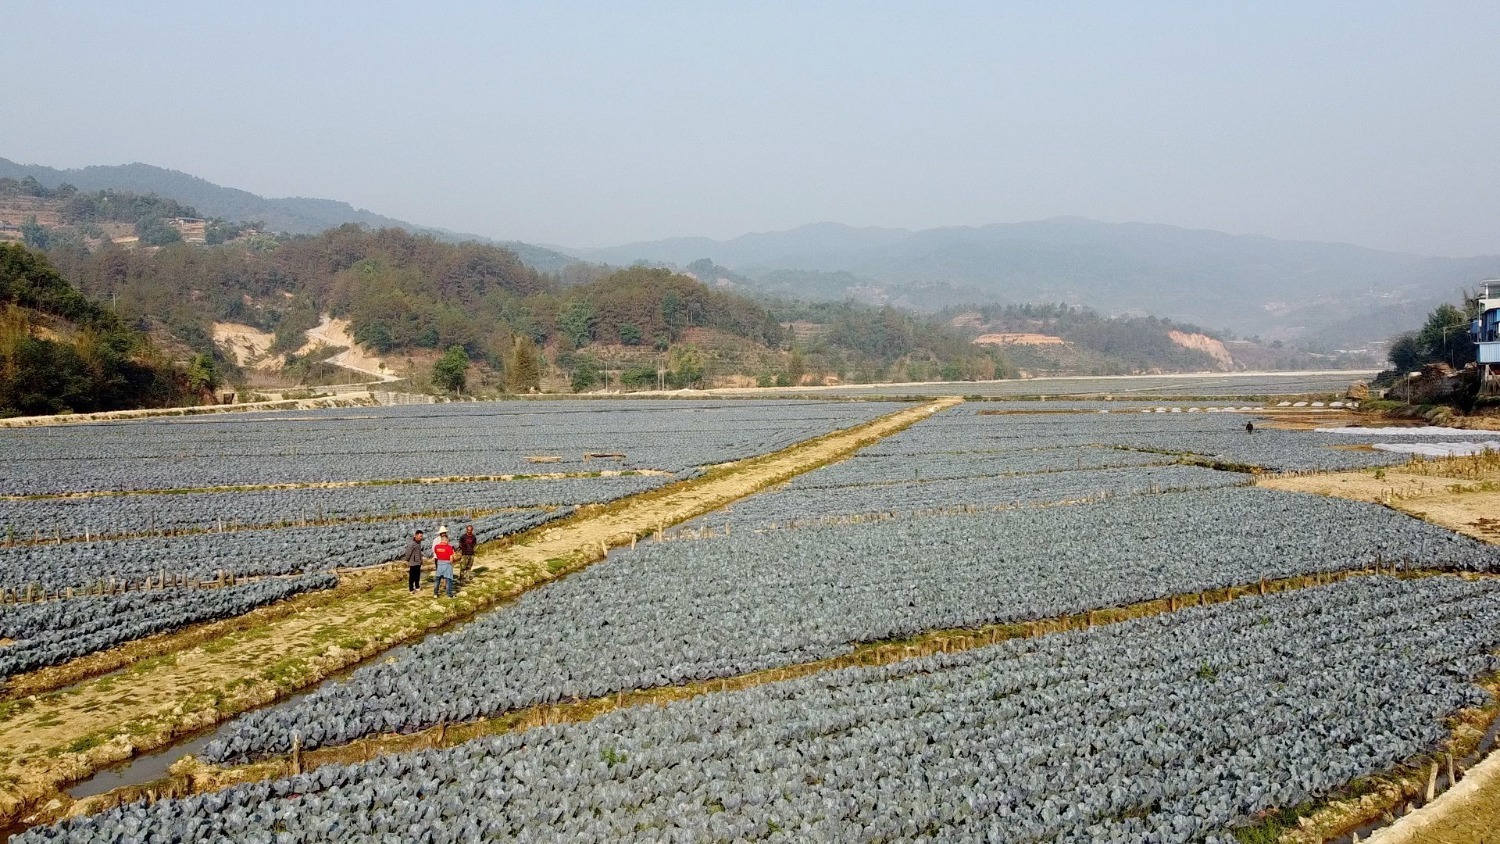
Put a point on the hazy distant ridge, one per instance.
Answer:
(1243, 282)
(294, 215)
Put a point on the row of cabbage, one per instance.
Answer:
(682, 611)
(1219, 437)
(201, 556)
(785, 505)
(1178, 728)
(125, 515)
(408, 442)
(863, 470)
(57, 631)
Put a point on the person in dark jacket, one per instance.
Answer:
(466, 545)
(413, 557)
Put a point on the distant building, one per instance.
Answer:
(192, 229)
(1485, 332)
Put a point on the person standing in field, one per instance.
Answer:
(466, 545)
(413, 557)
(442, 552)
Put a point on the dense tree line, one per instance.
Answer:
(1443, 338)
(60, 351)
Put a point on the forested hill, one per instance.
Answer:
(292, 215)
(61, 351)
(404, 293)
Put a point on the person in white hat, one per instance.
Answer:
(442, 552)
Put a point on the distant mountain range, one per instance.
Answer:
(293, 215)
(1340, 293)
(1342, 296)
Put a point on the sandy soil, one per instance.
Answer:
(251, 347)
(52, 739)
(1203, 343)
(335, 332)
(248, 345)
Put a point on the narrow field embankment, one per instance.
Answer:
(50, 740)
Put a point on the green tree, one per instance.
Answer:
(451, 372)
(674, 314)
(1406, 353)
(202, 373)
(576, 321)
(630, 334)
(586, 373)
(33, 234)
(523, 366)
(155, 231)
(1445, 336)
(686, 367)
(641, 376)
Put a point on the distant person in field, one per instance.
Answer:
(1249, 427)
(442, 551)
(413, 557)
(466, 545)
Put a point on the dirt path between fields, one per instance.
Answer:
(50, 740)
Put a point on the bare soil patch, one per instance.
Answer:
(1460, 493)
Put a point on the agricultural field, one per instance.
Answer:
(1164, 729)
(1064, 621)
(417, 441)
(133, 522)
(1224, 385)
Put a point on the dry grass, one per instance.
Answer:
(1459, 493)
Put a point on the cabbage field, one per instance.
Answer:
(733, 604)
(1186, 726)
(51, 632)
(413, 441)
(133, 515)
(1176, 728)
(94, 514)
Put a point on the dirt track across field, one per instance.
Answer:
(52, 739)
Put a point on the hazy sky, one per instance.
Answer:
(592, 124)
